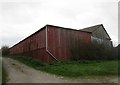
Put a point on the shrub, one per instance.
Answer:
(91, 51)
(5, 50)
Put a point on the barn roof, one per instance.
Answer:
(88, 30)
(44, 28)
(65, 28)
(93, 28)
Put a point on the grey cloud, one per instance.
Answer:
(20, 19)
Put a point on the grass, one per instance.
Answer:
(29, 61)
(4, 76)
(0, 71)
(83, 69)
(74, 68)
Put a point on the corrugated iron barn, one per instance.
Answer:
(54, 42)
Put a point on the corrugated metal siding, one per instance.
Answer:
(101, 37)
(100, 33)
(59, 41)
(59, 44)
(34, 46)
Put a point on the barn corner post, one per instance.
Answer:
(47, 45)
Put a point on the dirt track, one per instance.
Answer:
(20, 73)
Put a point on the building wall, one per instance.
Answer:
(33, 46)
(101, 37)
(60, 41)
(100, 33)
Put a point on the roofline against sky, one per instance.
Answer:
(52, 26)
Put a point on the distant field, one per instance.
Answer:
(73, 68)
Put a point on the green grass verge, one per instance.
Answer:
(92, 68)
(4, 76)
(74, 68)
(0, 71)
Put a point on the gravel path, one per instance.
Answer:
(20, 73)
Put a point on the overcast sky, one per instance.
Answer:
(22, 18)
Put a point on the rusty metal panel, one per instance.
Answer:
(33, 46)
(59, 41)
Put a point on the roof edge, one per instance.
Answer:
(65, 28)
(44, 28)
(28, 36)
(92, 26)
(106, 31)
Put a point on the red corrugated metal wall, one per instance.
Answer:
(60, 40)
(33, 46)
(59, 43)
